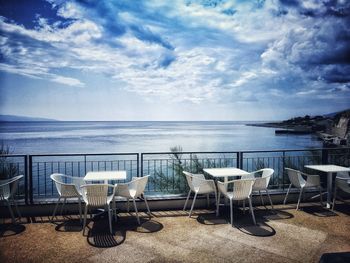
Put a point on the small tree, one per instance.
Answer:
(7, 168)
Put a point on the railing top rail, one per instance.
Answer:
(250, 151)
(205, 152)
(13, 155)
(296, 150)
(82, 154)
(155, 153)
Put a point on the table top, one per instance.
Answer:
(225, 172)
(329, 168)
(105, 175)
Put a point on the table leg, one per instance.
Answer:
(225, 181)
(329, 189)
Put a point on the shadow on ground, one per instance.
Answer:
(99, 235)
(318, 211)
(243, 220)
(7, 230)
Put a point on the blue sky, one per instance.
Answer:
(174, 60)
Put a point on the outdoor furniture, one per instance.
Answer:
(296, 179)
(261, 183)
(330, 169)
(225, 173)
(133, 190)
(242, 190)
(67, 187)
(8, 188)
(199, 185)
(342, 181)
(96, 196)
(105, 176)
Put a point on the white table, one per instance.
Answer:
(226, 173)
(105, 175)
(329, 169)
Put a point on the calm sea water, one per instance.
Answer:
(111, 137)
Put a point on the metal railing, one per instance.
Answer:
(165, 168)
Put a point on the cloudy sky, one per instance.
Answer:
(174, 60)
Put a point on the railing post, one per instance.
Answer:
(141, 165)
(84, 164)
(240, 163)
(26, 169)
(283, 167)
(137, 164)
(30, 173)
(325, 156)
(237, 159)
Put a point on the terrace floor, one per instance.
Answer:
(170, 236)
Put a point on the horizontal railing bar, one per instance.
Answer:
(81, 154)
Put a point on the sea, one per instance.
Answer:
(145, 136)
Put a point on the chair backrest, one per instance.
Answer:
(66, 189)
(95, 194)
(263, 181)
(137, 185)
(194, 180)
(295, 177)
(343, 181)
(9, 187)
(242, 188)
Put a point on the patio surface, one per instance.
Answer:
(170, 236)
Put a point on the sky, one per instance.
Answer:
(174, 60)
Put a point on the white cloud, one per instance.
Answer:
(68, 81)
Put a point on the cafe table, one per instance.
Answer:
(225, 173)
(330, 169)
(105, 176)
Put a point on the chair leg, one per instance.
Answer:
(54, 211)
(231, 211)
(335, 195)
(11, 212)
(216, 198)
(17, 210)
(268, 194)
(114, 209)
(218, 204)
(321, 201)
(208, 201)
(243, 206)
(285, 199)
(262, 200)
(109, 219)
(79, 203)
(194, 200)
(62, 207)
(251, 210)
(137, 214)
(127, 205)
(85, 217)
(188, 197)
(301, 192)
(146, 203)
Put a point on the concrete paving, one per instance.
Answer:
(283, 235)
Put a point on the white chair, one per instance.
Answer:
(133, 190)
(296, 179)
(96, 196)
(261, 183)
(342, 181)
(8, 188)
(199, 185)
(67, 187)
(242, 190)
